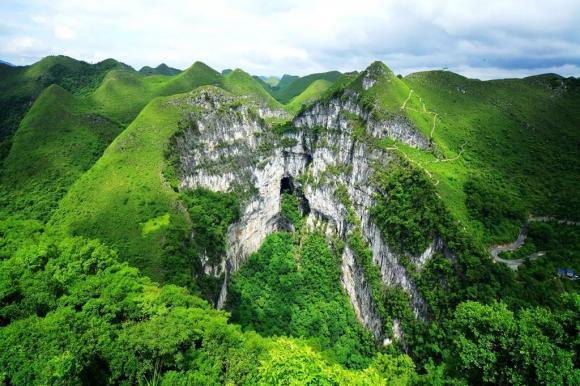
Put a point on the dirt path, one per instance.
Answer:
(407, 100)
(433, 113)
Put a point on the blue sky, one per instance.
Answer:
(484, 38)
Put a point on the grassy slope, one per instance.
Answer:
(123, 93)
(22, 85)
(286, 80)
(198, 74)
(284, 92)
(521, 133)
(312, 92)
(57, 141)
(241, 83)
(125, 188)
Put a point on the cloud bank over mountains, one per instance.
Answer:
(485, 40)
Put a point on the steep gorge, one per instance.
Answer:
(227, 146)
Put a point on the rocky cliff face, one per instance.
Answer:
(228, 147)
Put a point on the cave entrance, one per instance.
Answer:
(288, 186)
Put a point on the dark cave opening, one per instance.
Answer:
(287, 186)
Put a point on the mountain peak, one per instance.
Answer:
(374, 73)
(379, 68)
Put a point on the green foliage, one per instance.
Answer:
(70, 313)
(211, 214)
(314, 91)
(240, 83)
(285, 91)
(292, 363)
(498, 211)
(201, 237)
(286, 290)
(282, 128)
(517, 135)
(58, 140)
(290, 209)
(494, 346)
(22, 85)
(536, 282)
(395, 370)
(407, 210)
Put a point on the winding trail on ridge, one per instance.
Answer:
(515, 263)
(433, 113)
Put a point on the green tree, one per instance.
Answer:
(492, 345)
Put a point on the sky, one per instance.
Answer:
(483, 39)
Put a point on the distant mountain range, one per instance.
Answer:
(162, 69)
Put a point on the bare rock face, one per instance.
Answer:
(228, 147)
(360, 294)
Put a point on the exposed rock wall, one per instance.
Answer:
(225, 150)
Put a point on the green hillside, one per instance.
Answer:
(516, 133)
(289, 87)
(22, 85)
(58, 140)
(123, 94)
(124, 190)
(314, 91)
(242, 83)
(513, 134)
(162, 69)
(273, 81)
(198, 74)
(286, 80)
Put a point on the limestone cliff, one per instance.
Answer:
(227, 146)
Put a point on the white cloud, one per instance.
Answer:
(292, 36)
(18, 44)
(63, 32)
